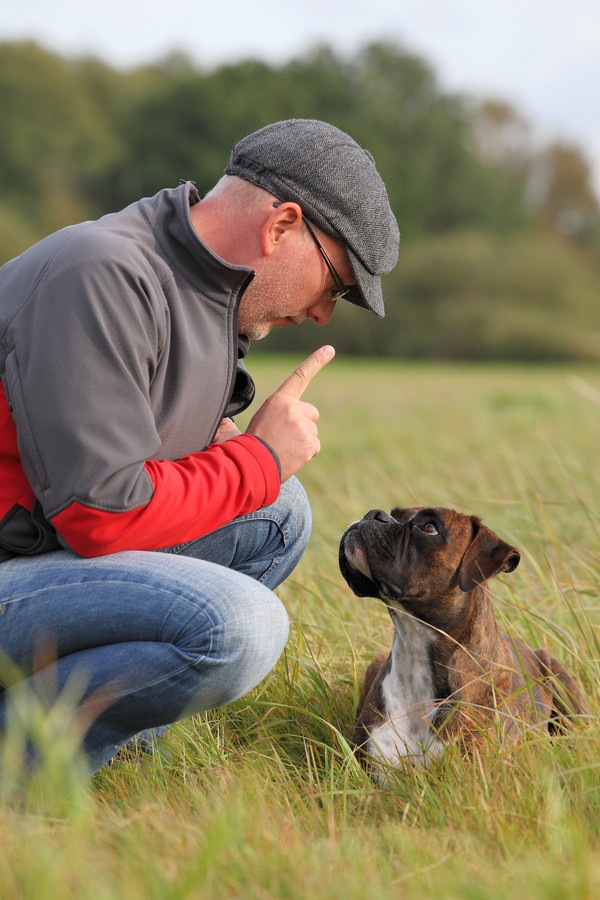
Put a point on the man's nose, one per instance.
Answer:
(321, 311)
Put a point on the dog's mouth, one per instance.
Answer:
(359, 574)
(355, 568)
(357, 558)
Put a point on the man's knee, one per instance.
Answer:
(265, 635)
(246, 645)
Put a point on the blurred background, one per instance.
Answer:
(483, 120)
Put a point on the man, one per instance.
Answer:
(121, 364)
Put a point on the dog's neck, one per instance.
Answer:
(464, 641)
(410, 684)
(407, 699)
(413, 638)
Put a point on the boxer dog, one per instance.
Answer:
(451, 673)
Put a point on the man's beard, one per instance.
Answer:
(255, 333)
(261, 306)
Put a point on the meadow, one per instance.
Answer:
(264, 799)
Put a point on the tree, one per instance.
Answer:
(502, 137)
(562, 190)
(55, 138)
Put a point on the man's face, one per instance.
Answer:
(288, 290)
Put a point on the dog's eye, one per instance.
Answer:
(429, 528)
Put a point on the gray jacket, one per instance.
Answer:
(118, 345)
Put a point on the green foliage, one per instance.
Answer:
(421, 140)
(55, 137)
(519, 297)
(89, 131)
(263, 799)
(476, 278)
(16, 232)
(472, 295)
(387, 99)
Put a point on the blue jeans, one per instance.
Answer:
(154, 636)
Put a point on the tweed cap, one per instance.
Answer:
(336, 183)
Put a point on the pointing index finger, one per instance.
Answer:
(296, 383)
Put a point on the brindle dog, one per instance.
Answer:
(451, 673)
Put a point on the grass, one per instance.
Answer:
(264, 799)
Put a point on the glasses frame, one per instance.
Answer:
(340, 288)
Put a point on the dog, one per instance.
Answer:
(451, 673)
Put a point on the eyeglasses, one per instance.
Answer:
(340, 289)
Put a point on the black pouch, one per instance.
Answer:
(25, 532)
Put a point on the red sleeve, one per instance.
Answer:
(192, 496)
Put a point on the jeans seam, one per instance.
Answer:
(211, 623)
(276, 559)
(255, 517)
(112, 582)
(118, 695)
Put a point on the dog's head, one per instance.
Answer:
(420, 556)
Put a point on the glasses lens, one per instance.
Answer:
(341, 289)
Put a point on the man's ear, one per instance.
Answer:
(284, 219)
(487, 555)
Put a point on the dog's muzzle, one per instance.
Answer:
(353, 561)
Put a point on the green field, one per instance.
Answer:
(264, 799)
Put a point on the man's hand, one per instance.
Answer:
(288, 424)
(227, 429)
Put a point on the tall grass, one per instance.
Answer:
(264, 799)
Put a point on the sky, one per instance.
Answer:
(542, 56)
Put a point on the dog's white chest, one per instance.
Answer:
(408, 698)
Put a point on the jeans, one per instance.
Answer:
(153, 636)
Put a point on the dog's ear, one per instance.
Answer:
(486, 556)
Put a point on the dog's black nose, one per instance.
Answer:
(379, 515)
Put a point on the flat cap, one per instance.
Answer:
(338, 187)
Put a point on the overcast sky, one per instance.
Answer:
(541, 55)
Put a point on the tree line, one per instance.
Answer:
(500, 236)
